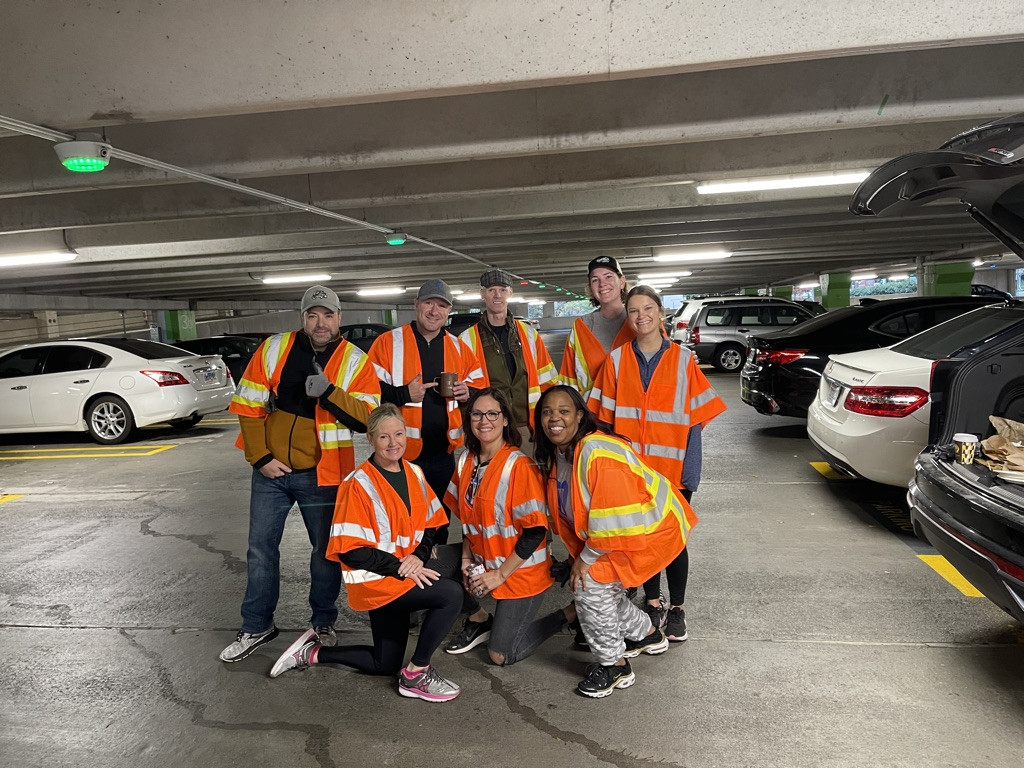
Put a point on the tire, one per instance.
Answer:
(728, 358)
(109, 420)
(181, 425)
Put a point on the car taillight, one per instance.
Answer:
(778, 356)
(885, 401)
(695, 335)
(681, 325)
(165, 378)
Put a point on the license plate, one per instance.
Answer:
(832, 393)
(209, 376)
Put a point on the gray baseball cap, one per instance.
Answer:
(435, 289)
(320, 296)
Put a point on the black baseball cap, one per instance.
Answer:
(608, 262)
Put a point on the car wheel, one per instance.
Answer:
(109, 420)
(183, 424)
(728, 358)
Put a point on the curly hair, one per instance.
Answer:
(545, 451)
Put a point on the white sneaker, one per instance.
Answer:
(245, 643)
(427, 685)
(296, 656)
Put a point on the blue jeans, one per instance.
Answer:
(269, 504)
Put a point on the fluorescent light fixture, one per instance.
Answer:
(34, 259)
(388, 291)
(782, 182)
(516, 300)
(665, 275)
(468, 297)
(865, 276)
(977, 263)
(319, 278)
(457, 291)
(536, 302)
(899, 277)
(682, 256)
(810, 284)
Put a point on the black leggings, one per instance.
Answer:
(389, 625)
(676, 574)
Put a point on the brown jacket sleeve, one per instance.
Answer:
(254, 437)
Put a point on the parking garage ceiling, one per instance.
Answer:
(537, 171)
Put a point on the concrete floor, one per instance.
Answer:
(817, 635)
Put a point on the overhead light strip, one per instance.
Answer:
(782, 182)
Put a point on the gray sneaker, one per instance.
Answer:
(297, 655)
(245, 643)
(427, 685)
(326, 635)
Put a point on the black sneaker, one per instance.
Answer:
(601, 680)
(631, 592)
(652, 645)
(579, 640)
(473, 633)
(657, 613)
(675, 627)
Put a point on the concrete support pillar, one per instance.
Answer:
(749, 291)
(950, 279)
(783, 292)
(835, 289)
(49, 325)
(177, 324)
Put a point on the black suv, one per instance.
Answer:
(970, 514)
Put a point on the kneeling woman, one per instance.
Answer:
(383, 531)
(622, 523)
(498, 495)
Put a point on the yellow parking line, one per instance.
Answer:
(827, 472)
(4, 498)
(27, 454)
(942, 566)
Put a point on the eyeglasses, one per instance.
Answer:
(478, 415)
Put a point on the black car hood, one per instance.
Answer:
(983, 167)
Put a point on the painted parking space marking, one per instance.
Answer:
(892, 514)
(4, 498)
(79, 452)
(826, 471)
(945, 569)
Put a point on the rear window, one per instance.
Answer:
(150, 350)
(970, 328)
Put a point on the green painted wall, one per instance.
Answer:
(952, 279)
(783, 291)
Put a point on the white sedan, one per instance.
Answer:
(107, 387)
(871, 415)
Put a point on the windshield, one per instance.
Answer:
(946, 338)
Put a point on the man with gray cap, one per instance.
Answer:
(408, 361)
(300, 399)
(509, 353)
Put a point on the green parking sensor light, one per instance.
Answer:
(83, 156)
(541, 285)
(397, 238)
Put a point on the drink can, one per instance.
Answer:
(475, 570)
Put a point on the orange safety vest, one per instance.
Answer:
(509, 498)
(540, 370)
(656, 422)
(584, 355)
(396, 358)
(370, 513)
(622, 507)
(348, 369)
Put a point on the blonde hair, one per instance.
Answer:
(381, 414)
